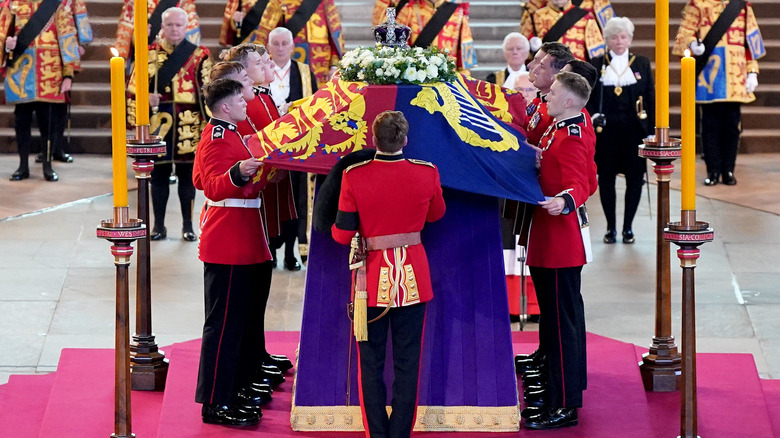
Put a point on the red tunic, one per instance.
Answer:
(384, 196)
(277, 198)
(567, 170)
(229, 235)
(538, 121)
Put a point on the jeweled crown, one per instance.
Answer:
(391, 33)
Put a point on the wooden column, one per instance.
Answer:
(661, 365)
(150, 367)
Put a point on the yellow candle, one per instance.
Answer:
(662, 63)
(688, 105)
(118, 131)
(141, 63)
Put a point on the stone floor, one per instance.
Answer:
(57, 278)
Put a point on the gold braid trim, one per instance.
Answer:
(429, 418)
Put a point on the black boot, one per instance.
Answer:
(23, 172)
(48, 173)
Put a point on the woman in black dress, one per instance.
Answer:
(622, 105)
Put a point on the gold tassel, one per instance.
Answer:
(360, 317)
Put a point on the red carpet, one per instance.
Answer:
(20, 417)
(77, 400)
(772, 395)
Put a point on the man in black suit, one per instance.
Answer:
(293, 80)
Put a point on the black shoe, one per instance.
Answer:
(524, 362)
(535, 380)
(159, 234)
(270, 372)
(279, 361)
(292, 265)
(535, 393)
(304, 259)
(20, 174)
(729, 179)
(712, 179)
(610, 236)
(261, 387)
(228, 415)
(628, 237)
(62, 157)
(554, 419)
(535, 402)
(172, 179)
(531, 412)
(251, 397)
(189, 236)
(49, 174)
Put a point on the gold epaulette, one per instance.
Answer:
(423, 162)
(357, 165)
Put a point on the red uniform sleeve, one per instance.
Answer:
(576, 168)
(517, 109)
(437, 208)
(347, 219)
(212, 174)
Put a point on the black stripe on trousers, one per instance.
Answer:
(233, 333)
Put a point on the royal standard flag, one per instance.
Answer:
(464, 127)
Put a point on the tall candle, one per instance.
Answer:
(688, 105)
(118, 131)
(662, 63)
(141, 32)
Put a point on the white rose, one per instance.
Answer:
(380, 72)
(421, 76)
(432, 71)
(361, 75)
(410, 74)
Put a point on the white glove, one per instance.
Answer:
(535, 43)
(697, 48)
(751, 82)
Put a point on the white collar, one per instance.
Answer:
(286, 66)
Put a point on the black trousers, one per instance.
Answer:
(161, 190)
(720, 128)
(234, 331)
(406, 324)
(562, 333)
(50, 117)
(295, 228)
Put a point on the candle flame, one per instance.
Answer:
(687, 53)
(114, 52)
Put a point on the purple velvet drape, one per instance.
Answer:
(467, 351)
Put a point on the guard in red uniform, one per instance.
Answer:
(554, 57)
(259, 115)
(277, 198)
(387, 201)
(237, 263)
(558, 247)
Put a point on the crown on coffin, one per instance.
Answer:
(391, 33)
